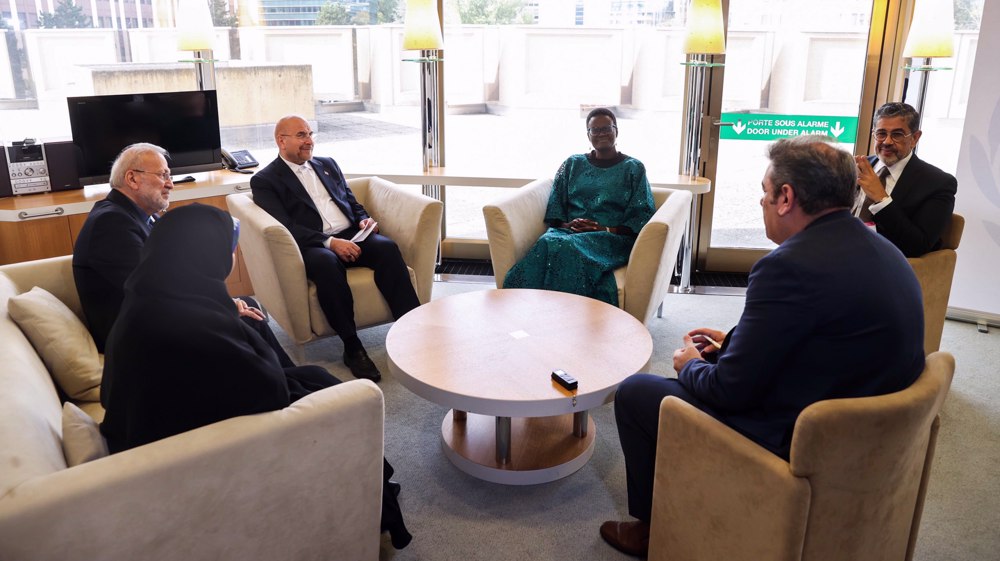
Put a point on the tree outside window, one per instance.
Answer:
(67, 15)
(221, 16)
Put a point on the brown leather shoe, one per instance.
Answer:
(628, 537)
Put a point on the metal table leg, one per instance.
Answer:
(503, 440)
(580, 424)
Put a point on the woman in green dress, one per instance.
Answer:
(599, 203)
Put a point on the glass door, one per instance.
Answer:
(792, 67)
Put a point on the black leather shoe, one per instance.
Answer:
(362, 366)
(394, 488)
(628, 537)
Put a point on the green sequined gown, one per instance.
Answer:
(584, 263)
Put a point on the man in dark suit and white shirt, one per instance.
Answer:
(110, 242)
(809, 331)
(108, 246)
(911, 202)
(310, 197)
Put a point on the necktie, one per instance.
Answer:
(334, 219)
(307, 178)
(866, 215)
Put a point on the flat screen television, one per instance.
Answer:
(186, 124)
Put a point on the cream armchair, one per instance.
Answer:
(853, 488)
(514, 224)
(278, 274)
(935, 271)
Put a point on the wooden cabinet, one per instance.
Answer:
(27, 240)
(34, 239)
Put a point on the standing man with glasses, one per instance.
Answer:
(908, 200)
(109, 245)
(310, 197)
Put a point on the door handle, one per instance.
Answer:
(723, 124)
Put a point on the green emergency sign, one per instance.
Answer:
(769, 126)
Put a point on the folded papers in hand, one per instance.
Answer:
(363, 233)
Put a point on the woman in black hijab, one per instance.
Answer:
(179, 357)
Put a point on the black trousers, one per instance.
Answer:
(392, 515)
(637, 414)
(329, 273)
(304, 380)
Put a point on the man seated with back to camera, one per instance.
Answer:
(908, 200)
(310, 197)
(807, 333)
(108, 247)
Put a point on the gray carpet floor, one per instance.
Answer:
(455, 516)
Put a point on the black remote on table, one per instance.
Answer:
(564, 379)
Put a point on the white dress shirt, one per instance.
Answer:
(334, 219)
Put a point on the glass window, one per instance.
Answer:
(948, 91)
(518, 82)
(798, 71)
(535, 83)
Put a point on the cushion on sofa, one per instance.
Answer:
(61, 340)
(82, 440)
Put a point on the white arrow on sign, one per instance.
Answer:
(739, 126)
(837, 130)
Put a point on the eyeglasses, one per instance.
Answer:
(301, 135)
(896, 136)
(164, 175)
(598, 131)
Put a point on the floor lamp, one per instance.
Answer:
(196, 34)
(705, 37)
(422, 32)
(930, 36)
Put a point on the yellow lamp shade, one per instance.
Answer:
(194, 26)
(931, 30)
(422, 30)
(705, 34)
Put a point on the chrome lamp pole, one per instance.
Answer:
(705, 37)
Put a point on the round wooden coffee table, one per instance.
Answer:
(489, 355)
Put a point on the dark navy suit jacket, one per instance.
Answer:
(922, 202)
(834, 312)
(278, 190)
(106, 252)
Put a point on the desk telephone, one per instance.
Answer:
(238, 161)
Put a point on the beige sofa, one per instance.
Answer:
(300, 483)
